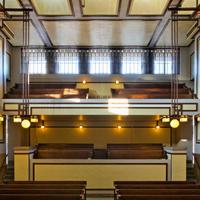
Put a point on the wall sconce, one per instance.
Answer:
(42, 125)
(1, 118)
(157, 125)
(116, 82)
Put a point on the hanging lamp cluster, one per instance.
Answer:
(176, 113)
(24, 116)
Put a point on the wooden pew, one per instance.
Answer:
(157, 191)
(47, 85)
(39, 197)
(159, 197)
(160, 186)
(69, 190)
(135, 151)
(41, 191)
(116, 183)
(127, 190)
(152, 85)
(161, 90)
(65, 151)
(39, 186)
(83, 183)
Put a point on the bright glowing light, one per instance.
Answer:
(198, 118)
(174, 123)
(118, 106)
(183, 118)
(184, 140)
(84, 82)
(76, 100)
(1, 118)
(34, 119)
(116, 82)
(26, 123)
(157, 127)
(42, 125)
(80, 126)
(17, 119)
(165, 119)
(119, 127)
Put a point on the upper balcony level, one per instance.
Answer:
(150, 98)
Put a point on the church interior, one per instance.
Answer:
(99, 99)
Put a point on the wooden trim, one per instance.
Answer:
(4, 131)
(98, 127)
(196, 104)
(192, 54)
(197, 132)
(24, 153)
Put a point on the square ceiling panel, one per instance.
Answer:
(108, 33)
(188, 4)
(52, 7)
(16, 28)
(148, 7)
(12, 4)
(100, 7)
(183, 28)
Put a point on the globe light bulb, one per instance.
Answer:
(174, 123)
(26, 123)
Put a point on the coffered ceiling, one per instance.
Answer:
(101, 7)
(143, 7)
(99, 22)
(52, 7)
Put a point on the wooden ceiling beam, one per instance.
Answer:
(124, 8)
(77, 8)
(70, 18)
(37, 24)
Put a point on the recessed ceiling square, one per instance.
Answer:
(100, 7)
(52, 7)
(188, 4)
(148, 7)
(12, 4)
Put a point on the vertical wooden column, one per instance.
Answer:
(22, 157)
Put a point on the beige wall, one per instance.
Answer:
(17, 136)
(185, 131)
(100, 136)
